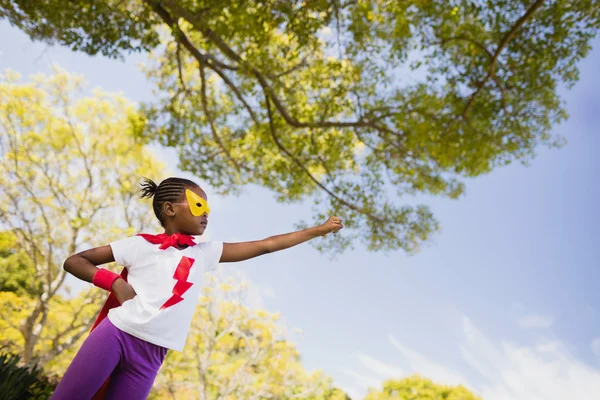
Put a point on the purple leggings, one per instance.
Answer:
(131, 363)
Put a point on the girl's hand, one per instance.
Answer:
(333, 224)
(123, 290)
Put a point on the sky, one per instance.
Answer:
(504, 299)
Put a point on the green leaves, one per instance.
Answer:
(17, 272)
(19, 382)
(333, 95)
(353, 105)
(417, 388)
(110, 28)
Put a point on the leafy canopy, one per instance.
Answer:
(356, 105)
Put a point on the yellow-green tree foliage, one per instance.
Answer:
(418, 388)
(17, 273)
(233, 352)
(356, 105)
(69, 165)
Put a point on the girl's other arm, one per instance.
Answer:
(84, 266)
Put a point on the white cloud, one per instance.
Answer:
(418, 362)
(382, 369)
(595, 346)
(544, 371)
(535, 321)
(496, 369)
(364, 381)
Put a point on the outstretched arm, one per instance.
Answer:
(233, 252)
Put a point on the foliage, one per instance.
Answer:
(236, 353)
(358, 105)
(118, 26)
(58, 341)
(22, 383)
(69, 165)
(417, 388)
(17, 273)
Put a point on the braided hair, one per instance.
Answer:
(170, 190)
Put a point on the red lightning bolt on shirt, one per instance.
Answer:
(181, 275)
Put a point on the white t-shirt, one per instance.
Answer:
(167, 283)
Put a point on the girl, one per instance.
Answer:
(157, 292)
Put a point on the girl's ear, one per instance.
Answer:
(168, 209)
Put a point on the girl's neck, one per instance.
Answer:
(171, 231)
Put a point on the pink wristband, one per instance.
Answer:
(104, 279)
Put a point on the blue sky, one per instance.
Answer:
(504, 299)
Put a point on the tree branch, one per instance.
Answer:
(505, 41)
(82, 330)
(230, 53)
(200, 57)
(178, 54)
(307, 172)
(211, 121)
(296, 67)
(470, 40)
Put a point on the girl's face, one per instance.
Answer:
(191, 220)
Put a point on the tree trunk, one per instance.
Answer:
(31, 328)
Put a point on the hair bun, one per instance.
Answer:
(148, 188)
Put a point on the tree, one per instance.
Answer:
(236, 353)
(355, 104)
(17, 273)
(417, 388)
(59, 338)
(68, 171)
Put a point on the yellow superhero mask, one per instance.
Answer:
(198, 206)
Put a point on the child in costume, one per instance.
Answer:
(152, 302)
